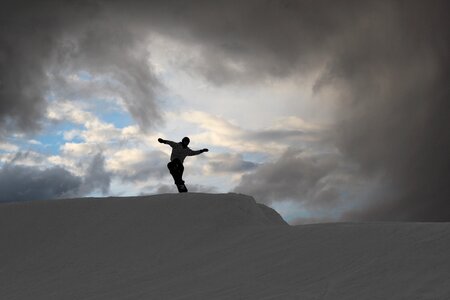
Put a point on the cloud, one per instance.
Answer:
(136, 165)
(228, 163)
(45, 43)
(318, 186)
(118, 62)
(127, 153)
(8, 147)
(23, 81)
(218, 131)
(26, 182)
(393, 119)
(97, 177)
(28, 158)
(292, 175)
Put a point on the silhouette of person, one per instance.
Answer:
(179, 152)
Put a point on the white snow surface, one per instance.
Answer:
(210, 246)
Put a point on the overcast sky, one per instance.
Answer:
(324, 110)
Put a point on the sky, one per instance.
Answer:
(326, 111)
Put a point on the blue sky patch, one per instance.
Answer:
(119, 119)
(52, 136)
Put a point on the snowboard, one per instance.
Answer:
(182, 188)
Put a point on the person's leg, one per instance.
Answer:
(181, 168)
(176, 169)
(172, 166)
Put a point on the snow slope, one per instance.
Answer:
(209, 246)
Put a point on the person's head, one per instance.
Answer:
(185, 141)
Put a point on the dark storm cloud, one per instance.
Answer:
(23, 54)
(113, 50)
(25, 183)
(394, 118)
(42, 42)
(229, 163)
(296, 176)
(246, 41)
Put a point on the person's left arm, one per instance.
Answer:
(196, 152)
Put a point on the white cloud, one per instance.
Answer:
(66, 110)
(8, 147)
(34, 142)
(217, 131)
(129, 153)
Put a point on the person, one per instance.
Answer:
(179, 152)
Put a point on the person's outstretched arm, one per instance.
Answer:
(171, 143)
(197, 152)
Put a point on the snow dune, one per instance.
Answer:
(211, 246)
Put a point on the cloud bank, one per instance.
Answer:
(19, 182)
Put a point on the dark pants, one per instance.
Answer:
(176, 168)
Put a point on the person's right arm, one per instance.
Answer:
(170, 143)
